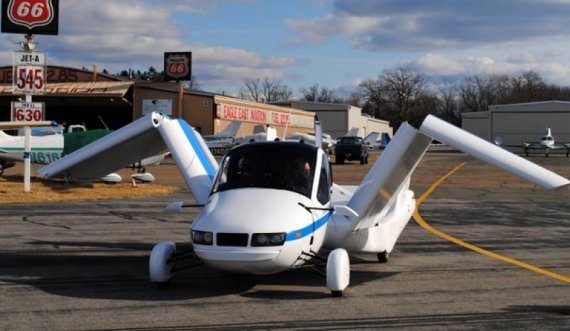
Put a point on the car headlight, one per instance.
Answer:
(268, 239)
(202, 237)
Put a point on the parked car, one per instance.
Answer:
(351, 148)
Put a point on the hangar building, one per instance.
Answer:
(337, 119)
(514, 123)
(91, 98)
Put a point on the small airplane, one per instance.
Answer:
(223, 141)
(260, 133)
(52, 143)
(272, 206)
(371, 140)
(546, 143)
(310, 138)
(44, 149)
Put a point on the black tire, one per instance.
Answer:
(336, 294)
(1, 167)
(383, 257)
(339, 160)
(362, 160)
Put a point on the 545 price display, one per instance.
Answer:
(27, 111)
(29, 79)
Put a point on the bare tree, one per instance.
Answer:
(316, 94)
(448, 105)
(265, 90)
(403, 87)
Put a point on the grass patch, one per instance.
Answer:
(44, 190)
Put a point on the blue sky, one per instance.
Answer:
(335, 43)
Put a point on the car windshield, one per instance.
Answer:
(273, 165)
(351, 140)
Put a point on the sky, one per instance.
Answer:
(333, 43)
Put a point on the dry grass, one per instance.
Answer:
(12, 191)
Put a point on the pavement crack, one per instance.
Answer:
(25, 219)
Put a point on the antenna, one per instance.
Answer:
(101, 119)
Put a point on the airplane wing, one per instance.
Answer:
(390, 175)
(145, 137)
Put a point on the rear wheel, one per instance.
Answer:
(1, 167)
(339, 160)
(383, 257)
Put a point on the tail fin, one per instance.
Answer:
(371, 138)
(353, 132)
(385, 139)
(231, 130)
(388, 177)
(5, 137)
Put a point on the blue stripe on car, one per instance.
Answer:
(204, 160)
(309, 229)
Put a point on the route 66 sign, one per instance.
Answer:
(178, 66)
(30, 16)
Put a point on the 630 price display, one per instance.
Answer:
(29, 79)
(27, 111)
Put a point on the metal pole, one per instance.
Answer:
(27, 160)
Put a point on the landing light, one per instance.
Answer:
(268, 239)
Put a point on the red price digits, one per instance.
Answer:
(28, 115)
(30, 78)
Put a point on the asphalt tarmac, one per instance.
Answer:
(83, 266)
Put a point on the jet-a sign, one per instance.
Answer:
(30, 16)
(29, 73)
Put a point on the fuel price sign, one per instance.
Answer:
(29, 73)
(28, 111)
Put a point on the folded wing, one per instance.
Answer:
(150, 135)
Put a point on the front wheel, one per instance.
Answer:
(160, 265)
(1, 167)
(338, 272)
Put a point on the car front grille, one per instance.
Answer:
(232, 239)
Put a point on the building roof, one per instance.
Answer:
(552, 105)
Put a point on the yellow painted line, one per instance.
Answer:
(420, 220)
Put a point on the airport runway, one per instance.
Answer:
(83, 266)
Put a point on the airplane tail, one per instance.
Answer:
(352, 132)
(5, 137)
(231, 130)
(371, 138)
(385, 139)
